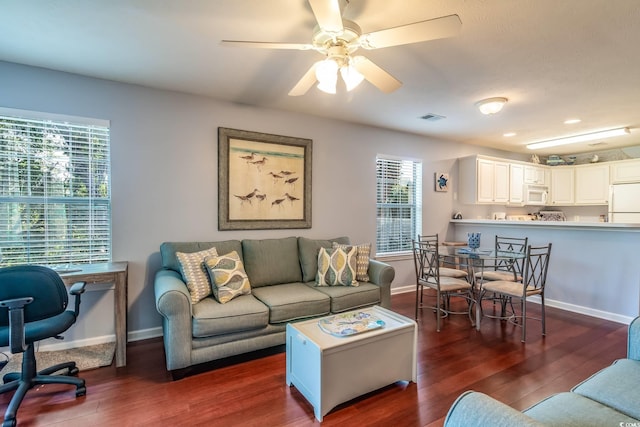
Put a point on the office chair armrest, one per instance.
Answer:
(76, 290)
(16, 322)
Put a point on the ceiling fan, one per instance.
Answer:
(338, 39)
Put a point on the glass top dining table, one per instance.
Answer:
(476, 260)
(479, 254)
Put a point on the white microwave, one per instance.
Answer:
(536, 195)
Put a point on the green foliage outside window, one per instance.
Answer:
(55, 201)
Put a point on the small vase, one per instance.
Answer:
(473, 240)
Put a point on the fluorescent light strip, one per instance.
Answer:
(578, 138)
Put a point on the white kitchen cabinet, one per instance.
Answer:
(592, 184)
(501, 182)
(483, 180)
(516, 183)
(535, 175)
(625, 171)
(562, 185)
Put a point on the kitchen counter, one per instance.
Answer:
(608, 226)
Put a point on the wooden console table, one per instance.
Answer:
(108, 272)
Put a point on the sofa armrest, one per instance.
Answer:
(633, 344)
(382, 274)
(173, 302)
(472, 409)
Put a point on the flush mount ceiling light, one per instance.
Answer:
(491, 105)
(578, 138)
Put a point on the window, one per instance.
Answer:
(398, 204)
(55, 196)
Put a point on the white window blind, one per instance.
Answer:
(399, 204)
(55, 196)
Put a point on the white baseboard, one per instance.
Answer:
(587, 311)
(614, 317)
(403, 289)
(144, 334)
(52, 344)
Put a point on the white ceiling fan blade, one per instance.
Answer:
(305, 82)
(376, 75)
(438, 28)
(266, 45)
(327, 13)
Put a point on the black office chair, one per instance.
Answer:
(33, 307)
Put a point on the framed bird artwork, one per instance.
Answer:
(264, 181)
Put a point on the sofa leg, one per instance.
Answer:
(178, 374)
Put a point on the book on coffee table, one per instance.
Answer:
(347, 324)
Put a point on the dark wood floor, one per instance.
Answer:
(253, 392)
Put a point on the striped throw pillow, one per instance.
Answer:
(195, 274)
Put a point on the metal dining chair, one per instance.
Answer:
(445, 271)
(536, 265)
(426, 259)
(505, 269)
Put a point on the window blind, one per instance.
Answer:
(55, 196)
(398, 204)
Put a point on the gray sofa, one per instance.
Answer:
(282, 276)
(610, 397)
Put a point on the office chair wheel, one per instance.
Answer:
(9, 422)
(80, 391)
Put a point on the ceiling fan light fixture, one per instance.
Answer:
(327, 75)
(491, 105)
(352, 78)
(327, 87)
(579, 138)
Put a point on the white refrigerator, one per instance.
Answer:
(624, 203)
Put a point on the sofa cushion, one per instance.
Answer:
(228, 278)
(345, 298)
(243, 313)
(308, 251)
(271, 261)
(337, 266)
(168, 250)
(573, 410)
(615, 386)
(194, 273)
(362, 260)
(292, 301)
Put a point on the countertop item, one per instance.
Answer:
(520, 218)
(552, 216)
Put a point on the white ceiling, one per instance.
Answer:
(553, 60)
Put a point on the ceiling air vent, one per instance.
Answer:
(432, 117)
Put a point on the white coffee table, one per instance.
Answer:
(330, 370)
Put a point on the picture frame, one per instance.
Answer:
(442, 181)
(264, 181)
